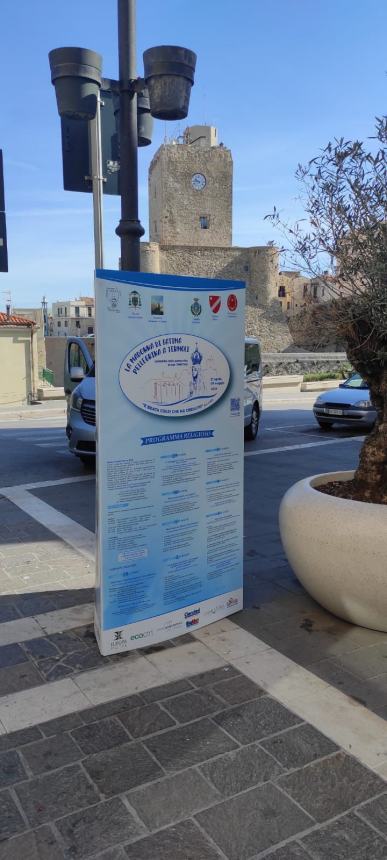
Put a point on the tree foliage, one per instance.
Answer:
(343, 242)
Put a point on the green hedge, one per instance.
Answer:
(327, 374)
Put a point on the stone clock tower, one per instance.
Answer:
(190, 191)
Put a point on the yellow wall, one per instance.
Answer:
(18, 365)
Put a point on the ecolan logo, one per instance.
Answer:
(141, 635)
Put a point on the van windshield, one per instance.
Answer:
(252, 358)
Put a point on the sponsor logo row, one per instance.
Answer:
(157, 307)
(191, 619)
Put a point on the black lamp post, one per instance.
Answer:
(168, 78)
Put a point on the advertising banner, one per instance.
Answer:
(169, 395)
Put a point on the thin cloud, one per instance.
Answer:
(21, 165)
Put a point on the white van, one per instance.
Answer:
(79, 385)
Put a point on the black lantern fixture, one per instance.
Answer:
(76, 76)
(163, 92)
(169, 74)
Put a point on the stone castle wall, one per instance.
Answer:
(257, 266)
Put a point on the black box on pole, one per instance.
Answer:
(3, 226)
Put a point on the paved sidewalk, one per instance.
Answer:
(41, 409)
(204, 768)
(195, 749)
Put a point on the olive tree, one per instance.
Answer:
(343, 242)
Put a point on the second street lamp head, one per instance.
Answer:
(76, 75)
(169, 74)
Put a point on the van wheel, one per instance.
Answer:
(252, 429)
(88, 462)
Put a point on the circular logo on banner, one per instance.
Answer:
(174, 375)
(232, 302)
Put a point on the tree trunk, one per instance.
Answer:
(370, 482)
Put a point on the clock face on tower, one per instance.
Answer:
(198, 181)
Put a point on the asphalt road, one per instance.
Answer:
(289, 446)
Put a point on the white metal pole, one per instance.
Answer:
(97, 181)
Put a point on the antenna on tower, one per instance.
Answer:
(8, 301)
(204, 108)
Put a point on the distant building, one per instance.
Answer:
(74, 317)
(19, 378)
(190, 230)
(37, 316)
(295, 291)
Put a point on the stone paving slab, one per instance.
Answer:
(39, 574)
(134, 778)
(351, 658)
(44, 659)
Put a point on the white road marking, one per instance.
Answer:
(37, 485)
(304, 445)
(283, 427)
(353, 727)
(360, 732)
(65, 528)
(132, 674)
(49, 444)
(46, 623)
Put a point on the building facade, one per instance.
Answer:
(296, 291)
(190, 230)
(19, 378)
(75, 317)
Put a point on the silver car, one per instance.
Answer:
(349, 404)
(79, 383)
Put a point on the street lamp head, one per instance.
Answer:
(144, 116)
(76, 75)
(169, 75)
(144, 119)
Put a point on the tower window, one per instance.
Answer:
(204, 222)
(281, 292)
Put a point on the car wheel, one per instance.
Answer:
(252, 429)
(325, 425)
(88, 462)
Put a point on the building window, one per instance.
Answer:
(65, 323)
(65, 312)
(281, 292)
(89, 311)
(323, 291)
(76, 309)
(245, 268)
(315, 291)
(90, 329)
(155, 226)
(77, 324)
(204, 222)
(305, 290)
(60, 312)
(59, 323)
(288, 306)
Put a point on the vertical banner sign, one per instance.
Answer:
(170, 356)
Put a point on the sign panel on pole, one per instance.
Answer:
(169, 393)
(3, 224)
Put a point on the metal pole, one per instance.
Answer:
(129, 229)
(97, 181)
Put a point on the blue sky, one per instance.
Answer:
(278, 79)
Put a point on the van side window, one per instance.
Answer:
(252, 358)
(77, 358)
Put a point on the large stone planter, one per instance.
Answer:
(338, 550)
